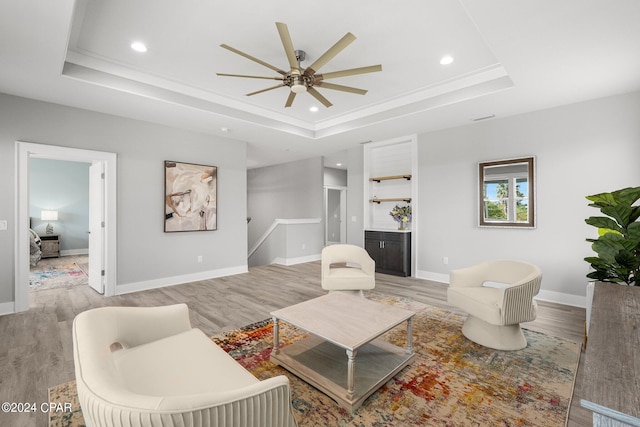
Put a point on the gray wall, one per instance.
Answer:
(335, 177)
(580, 149)
(144, 251)
(62, 186)
(288, 191)
(355, 196)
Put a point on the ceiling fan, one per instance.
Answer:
(306, 80)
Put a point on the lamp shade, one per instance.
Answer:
(49, 215)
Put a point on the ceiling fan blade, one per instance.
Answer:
(290, 99)
(252, 58)
(249, 77)
(283, 30)
(319, 97)
(327, 85)
(330, 54)
(265, 90)
(350, 72)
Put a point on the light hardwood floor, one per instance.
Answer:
(36, 347)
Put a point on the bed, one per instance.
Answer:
(35, 248)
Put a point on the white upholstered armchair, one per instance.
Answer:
(357, 271)
(146, 366)
(498, 296)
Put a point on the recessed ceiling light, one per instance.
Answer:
(139, 47)
(446, 60)
(313, 109)
(338, 164)
(224, 129)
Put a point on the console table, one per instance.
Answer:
(611, 366)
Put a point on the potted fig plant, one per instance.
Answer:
(618, 243)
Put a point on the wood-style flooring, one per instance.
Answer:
(36, 351)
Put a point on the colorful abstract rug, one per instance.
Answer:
(55, 276)
(452, 382)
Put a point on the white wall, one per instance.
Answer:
(580, 149)
(146, 256)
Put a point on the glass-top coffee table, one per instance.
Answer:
(341, 323)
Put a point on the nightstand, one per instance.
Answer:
(50, 245)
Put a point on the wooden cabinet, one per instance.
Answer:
(390, 250)
(50, 245)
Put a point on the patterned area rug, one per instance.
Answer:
(54, 276)
(452, 382)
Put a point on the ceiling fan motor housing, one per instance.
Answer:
(298, 82)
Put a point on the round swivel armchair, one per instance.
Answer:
(498, 296)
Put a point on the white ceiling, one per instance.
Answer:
(511, 56)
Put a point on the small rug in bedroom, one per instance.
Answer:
(55, 276)
(452, 382)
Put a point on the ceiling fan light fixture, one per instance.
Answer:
(298, 85)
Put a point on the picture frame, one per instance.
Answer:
(191, 197)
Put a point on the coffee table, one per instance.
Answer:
(341, 323)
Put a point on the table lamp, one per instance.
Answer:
(49, 216)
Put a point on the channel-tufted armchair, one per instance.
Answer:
(498, 296)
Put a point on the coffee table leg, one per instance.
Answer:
(276, 337)
(409, 349)
(351, 366)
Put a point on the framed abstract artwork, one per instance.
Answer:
(190, 202)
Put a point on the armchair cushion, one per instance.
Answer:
(482, 302)
(143, 369)
(358, 275)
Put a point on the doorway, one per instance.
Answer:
(335, 202)
(103, 242)
(59, 217)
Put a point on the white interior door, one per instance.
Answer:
(96, 226)
(335, 215)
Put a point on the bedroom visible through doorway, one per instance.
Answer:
(102, 214)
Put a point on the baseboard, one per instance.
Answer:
(298, 260)
(560, 298)
(429, 275)
(543, 295)
(72, 252)
(7, 308)
(178, 280)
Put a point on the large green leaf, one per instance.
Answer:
(604, 223)
(627, 196)
(604, 276)
(621, 213)
(628, 260)
(634, 232)
(602, 199)
(607, 248)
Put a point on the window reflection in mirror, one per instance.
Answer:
(507, 193)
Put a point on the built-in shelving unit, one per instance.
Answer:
(390, 172)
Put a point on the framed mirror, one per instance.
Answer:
(507, 193)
